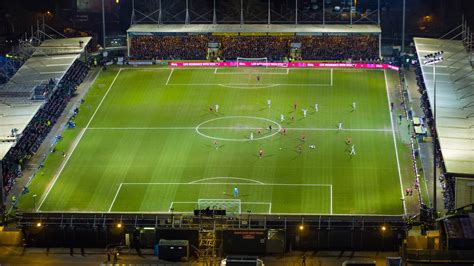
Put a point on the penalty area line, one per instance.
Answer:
(169, 77)
(230, 178)
(115, 197)
(253, 85)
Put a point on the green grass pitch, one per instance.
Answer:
(146, 141)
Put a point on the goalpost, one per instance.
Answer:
(232, 206)
(260, 62)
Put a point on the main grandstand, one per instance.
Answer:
(235, 137)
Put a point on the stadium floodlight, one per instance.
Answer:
(433, 59)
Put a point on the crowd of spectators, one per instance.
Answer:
(169, 47)
(40, 125)
(446, 181)
(362, 48)
(275, 48)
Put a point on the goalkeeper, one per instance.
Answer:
(236, 192)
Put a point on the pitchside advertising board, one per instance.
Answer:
(280, 64)
(245, 241)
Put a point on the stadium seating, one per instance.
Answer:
(272, 47)
(169, 47)
(363, 48)
(40, 125)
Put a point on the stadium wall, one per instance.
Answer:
(238, 235)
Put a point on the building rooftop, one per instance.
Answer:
(256, 28)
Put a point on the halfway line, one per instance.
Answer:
(240, 128)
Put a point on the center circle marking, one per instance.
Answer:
(230, 117)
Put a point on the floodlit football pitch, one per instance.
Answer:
(151, 140)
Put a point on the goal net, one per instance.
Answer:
(246, 62)
(231, 206)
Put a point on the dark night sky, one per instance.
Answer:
(446, 13)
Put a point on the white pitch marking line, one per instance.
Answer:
(221, 183)
(239, 128)
(252, 85)
(244, 139)
(332, 70)
(245, 73)
(223, 177)
(76, 142)
(115, 197)
(61, 168)
(395, 144)
(330, 201)
(145, 68)
(169, 77)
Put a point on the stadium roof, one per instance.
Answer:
(260, 28)
(51, 60)
(454, 101)
(15, 115)
(62, 46)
